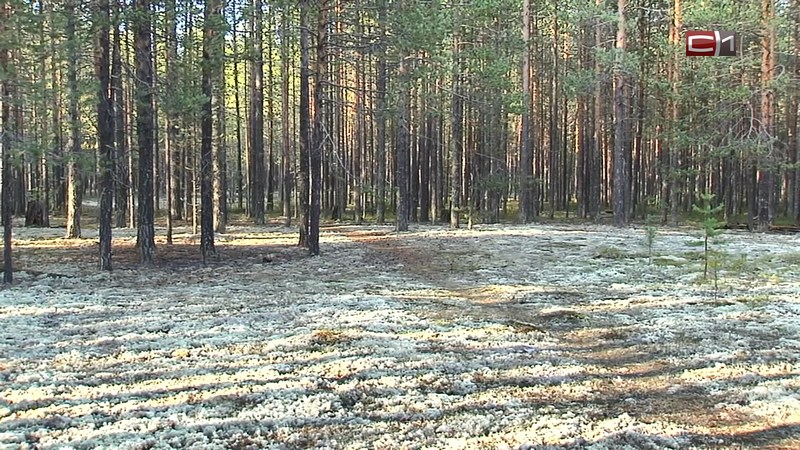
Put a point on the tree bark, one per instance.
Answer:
(457, 140)
(380, 113)
(74, 188)
(123, 181)
(286, 150)
(670, 180)
(145, 132)
(105, 126)
(402, 149)
(256, 156)
(219, 162)
(304, 126)
(767, 160)
(621, 173)
(209, 77)
(527, 199)
(172, 151)
(315, 157)
(6, 130)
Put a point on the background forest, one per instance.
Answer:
(392, 110)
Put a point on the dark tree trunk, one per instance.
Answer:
(621, 173)
(145, 132)
(5, 142)
(304, 126)
(105, 127)
(256, 157)
(401, 152)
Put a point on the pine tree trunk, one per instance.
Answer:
(766, 162)
(238, 110)
(304, 127)
(219, 162)
(207, 155)
(794, 103)
(527, 199)
(122, 184)
(145, 131)
(172, 150)
(286, 150)
(402, 151)
(359, 149)
(105, 127)
(74, 188)
(457, 139)
(380, 112)
(315, 154)
(6, 130)
(256, 151)
(621, 173)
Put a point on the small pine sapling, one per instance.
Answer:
(709, 226)
(650, 221)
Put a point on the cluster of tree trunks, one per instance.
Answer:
(405, 112)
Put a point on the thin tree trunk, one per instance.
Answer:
(237, 105)
(671, 186)
(74, 188)
(172, 152)
(315, 156)
(105, 127)
(144, 126)
(304, 126)
(794, 103)
(207, 156)
(270, 188)
(380, 112)
(6, 130)
(286, 186)
(122, 182)
(457, 139)
(256, 151)
(219, 162)
(621, 177)
(402, 150)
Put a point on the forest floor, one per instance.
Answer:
(500, 337)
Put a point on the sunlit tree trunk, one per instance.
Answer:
(74, 189)
(766, 161)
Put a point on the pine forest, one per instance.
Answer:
(473, 224)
